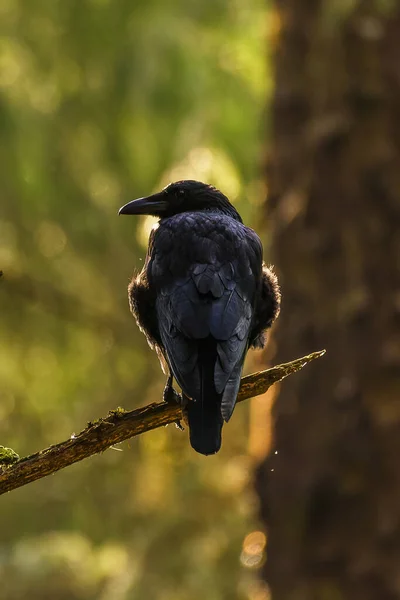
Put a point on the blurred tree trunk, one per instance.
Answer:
(330, 498)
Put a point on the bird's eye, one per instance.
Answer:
(181, 192)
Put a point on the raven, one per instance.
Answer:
(203, 298)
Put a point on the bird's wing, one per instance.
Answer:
(213, 298)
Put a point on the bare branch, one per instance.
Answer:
(120, 425)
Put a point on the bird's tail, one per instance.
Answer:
(204, 413)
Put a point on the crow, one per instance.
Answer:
(202, 299)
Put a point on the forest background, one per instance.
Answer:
(292, 109)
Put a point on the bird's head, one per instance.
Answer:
(179, 197)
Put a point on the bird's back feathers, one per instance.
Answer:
(203, 278)
(205, 311)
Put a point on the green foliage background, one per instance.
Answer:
(102, 101)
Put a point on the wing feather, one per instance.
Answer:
(212, 299)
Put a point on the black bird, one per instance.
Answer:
(203, 298)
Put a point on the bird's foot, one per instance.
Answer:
(179, 425)
(172, 397)
(184, 404)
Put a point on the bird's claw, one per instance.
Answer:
(184, 404)
(170, 396)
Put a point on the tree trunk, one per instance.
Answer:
(330, 497)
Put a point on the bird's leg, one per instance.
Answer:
(184, 404)
(169, 394)
(172, 397)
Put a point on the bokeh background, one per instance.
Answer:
(102, 102)
(292, 108)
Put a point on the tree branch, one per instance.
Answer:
(120, 425)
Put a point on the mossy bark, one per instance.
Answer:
(332, 502)
(120, 425)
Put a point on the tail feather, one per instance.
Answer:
(205, 426)
(204, 412)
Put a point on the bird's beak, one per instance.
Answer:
(150, 205)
